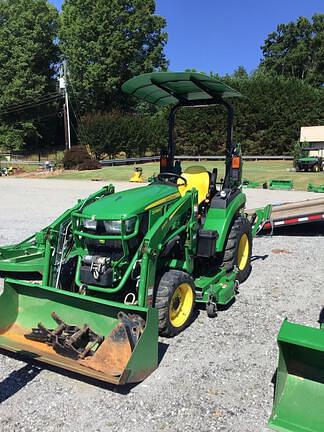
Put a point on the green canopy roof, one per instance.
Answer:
(169, 88)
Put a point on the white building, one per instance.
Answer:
(314, 137)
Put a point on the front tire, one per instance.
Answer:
(175, 299)
(238, 249)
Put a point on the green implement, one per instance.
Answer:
(122, 357)
(248, 184)
(318, 189)
(299, 392)
(259, 218)
(92, 291)
(281, 184)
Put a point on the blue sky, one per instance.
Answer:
(219, 36)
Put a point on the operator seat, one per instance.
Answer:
(197, 177)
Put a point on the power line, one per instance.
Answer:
(79, 122)
(79, 119)
(28, 102)
(30, 105)
(75, 131)
(67, 125)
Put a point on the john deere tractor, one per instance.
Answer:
(311, 159)
(91, 292)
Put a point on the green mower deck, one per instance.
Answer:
(281, 184)
(248, 184)
(318, 189)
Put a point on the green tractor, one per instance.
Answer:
(311, 159)
(92, 291)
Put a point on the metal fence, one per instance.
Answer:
(146, 159)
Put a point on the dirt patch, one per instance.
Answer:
(281, 251)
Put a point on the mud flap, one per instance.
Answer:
(299, 393)
(120, 359)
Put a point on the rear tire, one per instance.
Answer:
(175, 299)
(238, 249)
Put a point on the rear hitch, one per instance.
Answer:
(211, 308)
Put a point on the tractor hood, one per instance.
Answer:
(130, 202)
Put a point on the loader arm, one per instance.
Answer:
(163, 231)
(34, 254)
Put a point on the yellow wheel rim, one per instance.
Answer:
(181, 305)
(243, 252)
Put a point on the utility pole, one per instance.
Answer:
(67, 126)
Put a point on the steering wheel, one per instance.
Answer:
(168, 175)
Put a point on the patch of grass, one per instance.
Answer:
(255, 171)
(24, 167)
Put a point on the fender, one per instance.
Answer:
(220, 219)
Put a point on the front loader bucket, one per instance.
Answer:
(299, 394)
(120, 359)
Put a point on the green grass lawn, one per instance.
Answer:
(254, 171)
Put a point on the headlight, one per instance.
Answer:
(130, 225)
(114, 226)
(90, 224)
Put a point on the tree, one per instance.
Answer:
(108, 134)
(108, 42)
(28, 55)
(267, 119)
(296, 50)
(240, 73)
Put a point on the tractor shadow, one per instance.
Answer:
(274, 383)
(18, 379)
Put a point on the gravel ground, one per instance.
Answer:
(215, 376)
